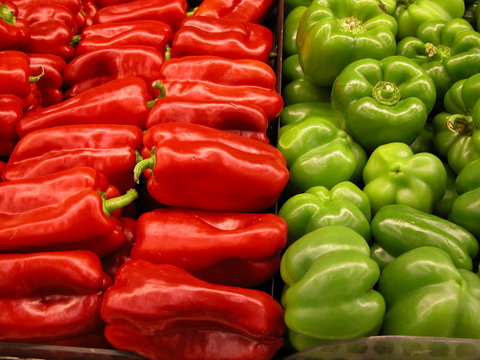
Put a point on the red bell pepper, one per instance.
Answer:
(11, 111)
(38, 12)
(109, 149)
(100, 66)
(244, 119)
(15, 73)
(113, 262)
(2, 166)
(50, 296)
(238, 249)
(74, 5)
(219, 70)
(199, 167)
(89, 11)
(171, 12)
(63, 210)
(50, 84)
(162, 312)
(141, 32)
(254, 11)
(123, 101)
(201, 35)
(14, 32)
(103, 3)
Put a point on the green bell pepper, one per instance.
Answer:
(383, 101)
(468, 178)
(456, 129)
(290, 28)
(334, 33)
(400, 228)
(393, 174)
(448, 51)
(319, 153)
(443, 207)
(426, 295)
(466, 211)
(329, 277)
(291, 69)
(296, 113)
(411, 13)
(303, 90)
(345, 205)
(424, 141)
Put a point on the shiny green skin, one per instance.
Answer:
(426, 295)
(424, 141)
(466, 211)
(395, 175)
(345, 205)
(383, 101)
(291, 69)
(319, 153)
(448, 51)
(411, 13)
(469, 178)
(330, 276)
(443, 207)
(296, 113)
(400, 228)
(381, 257)
(456, 129)
(303, 90)
(290, 28)
(335, 33)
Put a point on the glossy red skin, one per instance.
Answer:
(11, 111)
(140, 32)
(268, 99)
(14, 72)
(51, 82)
(201, 35)
(50, 296)
(199, 241)
(103, 3)
(100, 66)
(239, 118)
(220, 70)
(205, 168)
(109, 149)
(44, 12)
(73, 5)
(13, 36)
(114, 261)
(171, 12)
(183, 317)
(123, 101)
(88, 12)
(253, 11)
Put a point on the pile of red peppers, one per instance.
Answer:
(139, 177)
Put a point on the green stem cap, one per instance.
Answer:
(35, 78)
(461, 124)
(6, 14)
(143, 165)
(386, 93)
(119, 202)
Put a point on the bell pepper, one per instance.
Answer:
(39, 11)
(140, 32)
(291, 69)
(98, 67)
(50, 296)
(303, 90)
(465, 211)
(51, 82)
(254, 11)
(443, 206)
(112, 262)
(400, 228)
(73, 5)
(2, 166)
(445, 55)
(393, 174)
(456, 129)
(319, 153)
(11, 110)
(171, 12)
(14, 32)
(89, 11)
(200, 167)
(233, 39)
(411, 13)
(345, 30)
(424, 141)
(122, 101)
(183, 317)
(237, 249)
(426, 295)
(74, 215)
(244, 119)
(296, 113)
(15, 73)
(110, 149)
(103, 3)
(468, 178)
(220, 70)
(383, 101)
(290, 29)
(329, 276)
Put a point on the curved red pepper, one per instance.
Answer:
(11, 111)
(206, 242)
(38, 12)
(103, 3)
(200, 167)
(14, 32)
(114, 261)
(74, 5)
(50, 296)
(254, 11)
(123, 101)
(171, 12)
(15, 73)
(109, 149)
(183, 317)
(201, 35)
(100, 66)
(50, 84)
(87, 13)
(244, 119)
(140, 32)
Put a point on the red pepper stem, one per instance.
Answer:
(35, 78)
(141, 166)
(157, 84)
(119, 202)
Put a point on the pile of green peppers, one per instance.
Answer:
(381, 135)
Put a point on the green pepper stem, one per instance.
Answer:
(6, 14)
(160, 86)
(461, 124)
(190, 12)
(143, 165)
(75, 40)
(35, 78)
(439, 51)
(119, 202)
(168, 53)
(386, 93)
(352, 25)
